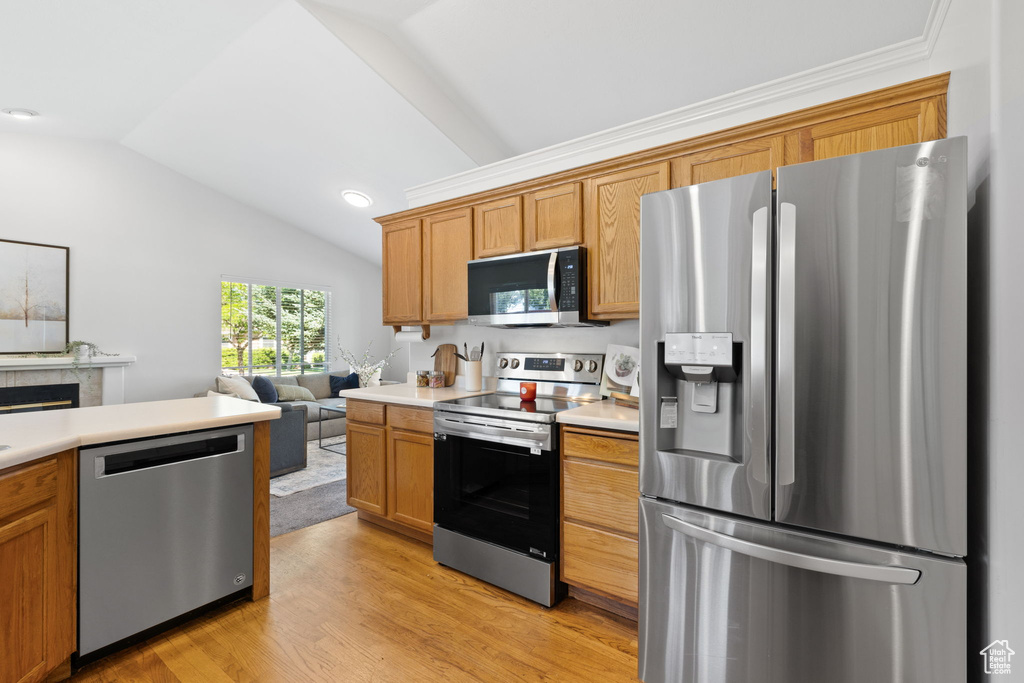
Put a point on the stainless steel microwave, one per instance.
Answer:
(535, 289)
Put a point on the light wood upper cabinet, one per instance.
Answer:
(612, 228)
(411, 478)
(740, 158)
(498, 227)
(38, 542)
(553, 217)
(447, 248)
(403, 273)
(902, 124)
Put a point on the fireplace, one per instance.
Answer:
(38, 397)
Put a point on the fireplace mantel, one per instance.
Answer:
(112, 368)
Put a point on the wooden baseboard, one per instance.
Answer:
(61, 673)
(373, 518)
(609, 604)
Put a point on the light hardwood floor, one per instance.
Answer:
(350, 601)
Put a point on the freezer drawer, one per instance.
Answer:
(729, 601)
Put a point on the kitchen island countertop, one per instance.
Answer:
(38, 434)
(411, 395)
(603, 415)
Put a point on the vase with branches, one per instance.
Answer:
(364, 365)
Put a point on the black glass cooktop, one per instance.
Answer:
(541, 410)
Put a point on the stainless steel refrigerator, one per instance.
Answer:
(803, 423)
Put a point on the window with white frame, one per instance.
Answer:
(273, 329)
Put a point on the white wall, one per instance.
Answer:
(148, 248)
(565, 340)
(1001, 435)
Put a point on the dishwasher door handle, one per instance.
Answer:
(146, 455)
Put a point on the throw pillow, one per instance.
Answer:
(217, 393)
(339, 383)
(291, 392)
(236, 385)
(264, 388)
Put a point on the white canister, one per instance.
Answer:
(474, 376)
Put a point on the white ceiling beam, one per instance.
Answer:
(424, 90)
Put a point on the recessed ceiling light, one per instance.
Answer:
(21, 113)
(356, 198)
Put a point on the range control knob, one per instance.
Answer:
(515, 363)
(578, 365)
(503, 363)
(591, 366)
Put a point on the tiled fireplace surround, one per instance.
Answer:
(101, 381)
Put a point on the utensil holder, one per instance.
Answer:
(474, 375)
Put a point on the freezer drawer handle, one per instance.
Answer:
(855, 570)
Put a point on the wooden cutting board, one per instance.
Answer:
(446, 362)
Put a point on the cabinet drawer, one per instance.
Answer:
(411, 419)
(367, 412)
(622, 450)
(28, 486)
(600, 495)
(600, 560)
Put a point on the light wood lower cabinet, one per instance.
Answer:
(390, 465)
(599, 514)
(366, 467)
(38, 538)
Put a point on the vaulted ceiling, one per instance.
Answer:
(281, 104)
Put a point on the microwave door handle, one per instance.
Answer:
(552, 271)
(825, 565)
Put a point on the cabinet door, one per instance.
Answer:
(38, 525)
(365, 467)
(498, 227)
(740, 158)
(403, 273)
(411, 479)
(553, 217)
(447, 247)
(27, 556)
(612, 228)
(902, 124)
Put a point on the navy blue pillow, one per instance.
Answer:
(264, 388)
(339, 383)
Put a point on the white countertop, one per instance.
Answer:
(38, 434)
(602, 415)
(410, 394)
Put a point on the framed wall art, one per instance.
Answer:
(33, 297)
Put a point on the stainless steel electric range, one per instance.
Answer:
(496, 473)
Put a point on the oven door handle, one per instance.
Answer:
(532, 439)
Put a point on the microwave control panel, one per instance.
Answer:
(569, 270)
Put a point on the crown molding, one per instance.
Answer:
(655, 129)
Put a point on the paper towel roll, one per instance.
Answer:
(409, 336)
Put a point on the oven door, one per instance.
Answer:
(497, 492)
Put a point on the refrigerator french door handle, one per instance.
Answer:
(785, 389)
(824, 565)
(759, 351)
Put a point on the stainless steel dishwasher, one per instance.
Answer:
(165, 527)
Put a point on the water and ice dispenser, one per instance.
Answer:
(700, 407)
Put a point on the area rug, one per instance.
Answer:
(309, 507)
(322, 467)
